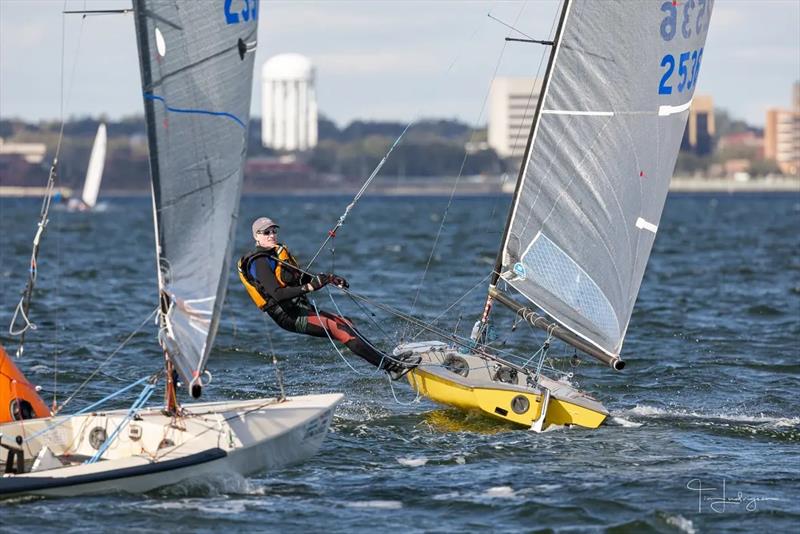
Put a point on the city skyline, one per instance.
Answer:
(377, 61)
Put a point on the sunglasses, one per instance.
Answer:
(269, 231)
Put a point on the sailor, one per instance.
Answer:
(278, 286)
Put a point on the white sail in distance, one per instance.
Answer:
(94, 172)
(197, 70)
(599, 160)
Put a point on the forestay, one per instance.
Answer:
(600, 157)
(197, 70)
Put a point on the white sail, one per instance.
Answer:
(599, 160)
(197, 71)
(94, 173)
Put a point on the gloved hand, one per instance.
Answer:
(320, 281)
(338, 281)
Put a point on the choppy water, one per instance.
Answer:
(710, 393)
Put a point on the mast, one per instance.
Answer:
(170, 395)
(498, 264)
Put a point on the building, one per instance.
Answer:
(748, 142)
(512, 103)
(698, 137)
(782, 135)
(31, 152)
(288, 103)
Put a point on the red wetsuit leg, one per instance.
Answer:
(343, 331)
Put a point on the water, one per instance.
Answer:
(709, 394)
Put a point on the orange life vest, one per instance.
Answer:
(283, 275)
(18, 397)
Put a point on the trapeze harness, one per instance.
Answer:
(274, 281)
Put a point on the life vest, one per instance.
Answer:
(285, 276)
(18, 397)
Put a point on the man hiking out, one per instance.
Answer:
(278, 286)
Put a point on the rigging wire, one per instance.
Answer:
(22, 310)
(458, 178)
(364, 186)
(459, 299)
(104, 362)
(525, 113)
(332, 232)
(483, 350)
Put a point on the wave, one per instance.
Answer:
(381, 505)
(413, 462)
(656, 413)
(681, 523)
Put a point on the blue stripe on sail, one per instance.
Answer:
(151, 96)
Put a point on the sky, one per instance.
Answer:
(374, 60)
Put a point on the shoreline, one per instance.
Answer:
(444, 187)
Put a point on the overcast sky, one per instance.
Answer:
(393, 60)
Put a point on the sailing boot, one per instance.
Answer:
(398, 366)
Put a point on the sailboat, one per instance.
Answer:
(585, 212)
(196, 62)
(94, 174)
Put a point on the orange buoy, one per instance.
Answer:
(18, 397)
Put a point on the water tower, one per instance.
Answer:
(289, 103)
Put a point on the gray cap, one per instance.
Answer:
(261, 224)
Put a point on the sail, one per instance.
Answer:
(599, 160)
(196, 63)
(94, 173)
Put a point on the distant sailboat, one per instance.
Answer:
(94, 174)
(197, 66)
(585, 212)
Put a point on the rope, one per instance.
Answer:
(140, 401)
(89, 408)
(356, 371)
(468, 343)
(415, 400)
(459, 299)
(104, 362)
(365, 185)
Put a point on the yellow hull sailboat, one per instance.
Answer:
(594, 177)
(470, 382)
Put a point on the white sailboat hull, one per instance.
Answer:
(214, 441)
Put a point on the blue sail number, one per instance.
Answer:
(688, 76)
(669, 62)
(670, 22)
(249, 11)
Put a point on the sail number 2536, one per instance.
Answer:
(688, 64)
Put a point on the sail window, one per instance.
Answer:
(553, 270)
(161, 44)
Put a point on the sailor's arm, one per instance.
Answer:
(266, 278)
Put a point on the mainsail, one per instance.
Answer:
(197, 70)
(94, 173)
(599, 160)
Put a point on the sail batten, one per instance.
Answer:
(197, 67)
(600, 157)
